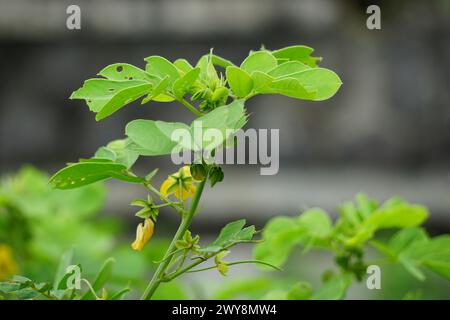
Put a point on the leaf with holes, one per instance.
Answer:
(86, 172)
(125, 71)
(105, 97)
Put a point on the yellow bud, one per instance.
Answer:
(143, 234)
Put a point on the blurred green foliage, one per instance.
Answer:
(39, 224)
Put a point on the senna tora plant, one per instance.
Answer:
(216, 91)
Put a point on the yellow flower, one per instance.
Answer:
(143, 234)
(8, 266)
(180, 184)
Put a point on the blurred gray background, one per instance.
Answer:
(386, 132)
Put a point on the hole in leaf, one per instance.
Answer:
(119, 68)
(111, 89)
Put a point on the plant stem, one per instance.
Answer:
(190, 107)
(184, 226)
(237, 262)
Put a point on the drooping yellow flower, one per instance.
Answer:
(180, 184)
(143, 234)
(8, 266)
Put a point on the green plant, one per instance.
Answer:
(39, 224)
(220, 100)
(347, 240)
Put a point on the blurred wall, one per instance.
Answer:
(386, 132)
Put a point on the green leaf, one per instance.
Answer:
(161, 68)
(125, 71)
(261, 81)
(9, 286)
(183, 65)
(123, 154)
(119, 295)
(156, 137)
(221, 62)
(333, 289)
(325, 83)
(152, 137)
(315, 223)
(102, 277)
(297, 53)
(231, 234)
(280, 235)
(399, 216)
(105, 153)
(406, 237)
(290, 87)
(26, 294)
(287, 68)
(240, 81)
(412, 267)
(262, 61)
(300, 291)
(83, 173)
(110, 95)
(433, 254)
(159, 92)
(185, 83)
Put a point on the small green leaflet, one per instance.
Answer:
(125, 71)
(159, 92)
(262, 61)
(233, 233)
(185, 83)
(282, 234)
(333, 289)
(183, 65)
(158, 137)
(118, 151)
(89, 171)
(240, 81)
(105, 97)
(325, 83)
(297, 53)
(161, 68)
(400, 216)
(287, 68)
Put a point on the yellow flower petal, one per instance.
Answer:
(166, 185)
(149, 226)
(187, 171)
(143, 234)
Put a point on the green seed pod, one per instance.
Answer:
(198, 171)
